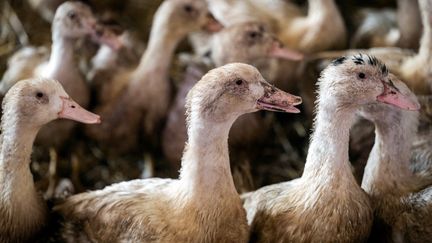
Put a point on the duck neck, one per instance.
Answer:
(62, 58)
(156, 60)
(388, 165)
(409, 23)
(22, 210)
(205, 163)
(425, 51)
(327, 158)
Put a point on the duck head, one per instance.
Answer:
(75, 20)
(229, 91)
(38, 101)
(181, 17)
(379, 112)
(247, 42)
(361, 80)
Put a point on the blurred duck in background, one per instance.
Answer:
(137, 99)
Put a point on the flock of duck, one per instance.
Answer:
(242, 49)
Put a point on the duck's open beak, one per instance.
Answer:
(71, 110)
(279, 51)
(212, 24)
(105, 36)
(392, 95)
(275, 99)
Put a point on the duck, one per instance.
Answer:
(202, 205)
(396, 176)
(389, 27)
(248, 42)
(327, 193)
(28, 106)
(139, 97)
(73, 20)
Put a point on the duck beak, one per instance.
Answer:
(71, 110)
(212, 24)
(105, 36)
(275, 99)
(279, 51)
(391, 95)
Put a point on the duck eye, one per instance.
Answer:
(362, 75)
(253, 34)
(39, 95)
(188, 8)
(71, 14)
(239, 82)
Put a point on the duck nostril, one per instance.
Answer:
(72, 106)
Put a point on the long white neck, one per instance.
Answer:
(425, 50)
(205, 163)
(388, 166)
(62, 58)
(156, 60)
(22, 211)
(327, 159)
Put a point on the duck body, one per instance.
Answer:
(166, 216)
(272, 210)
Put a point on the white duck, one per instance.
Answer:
(326, 204)
(395, 176)
(139, 97)
(73, 20)
(28, 106)
(203, 204)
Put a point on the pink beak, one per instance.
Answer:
(275, 99)
(212, 24)
(71, 110)
(391, 95)
(277, 50)
(105, 36)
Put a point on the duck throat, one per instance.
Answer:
(62, 60)
(327, 161)
(22, 211)
(388, 166)
(205, 168)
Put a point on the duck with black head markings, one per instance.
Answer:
(326, 204)
(203, 204)
(27, 106)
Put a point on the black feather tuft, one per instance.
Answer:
(339, 61)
